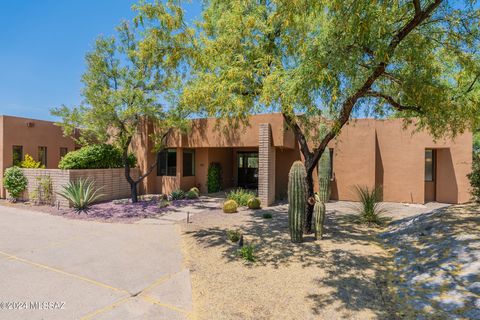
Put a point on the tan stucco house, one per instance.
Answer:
(410, 166)
(43, 140)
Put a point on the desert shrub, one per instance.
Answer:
(42, 193)
(81, 193)
(267, 215)
(247, 252)
(230, 206)
(254, 203)
(370, 209)
(191, 195)
(163, 203)
(29, 163)
(195, 189)
(233, 235)
(15, 182)
(177, 194)
(474, 177)
(214, 177)
(241, 196)
(100, 156)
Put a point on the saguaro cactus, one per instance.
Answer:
(297, 199)
(318, 217)
(324, 172)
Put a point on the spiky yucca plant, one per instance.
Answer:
(370, 209)
(81, 193)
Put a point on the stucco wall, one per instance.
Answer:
(367, 152)
(37, 133)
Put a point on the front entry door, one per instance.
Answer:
(430, 174)
(247, 170)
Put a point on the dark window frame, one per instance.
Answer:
(165, 159)
(42, 160)
(433, 166)
(191, 165)
(62, 154)
(17, 163)
(332, 176)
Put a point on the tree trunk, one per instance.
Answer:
(310, 195)
(133, 192)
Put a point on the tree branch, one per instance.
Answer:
(393, 102)
(418, 8)
(379, 70)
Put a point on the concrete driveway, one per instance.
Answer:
(56, 268)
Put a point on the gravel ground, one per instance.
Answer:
(437, 263)
(340, 277)
(125, 212)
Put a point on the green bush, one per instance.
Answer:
(267, 215)
(214, 177)
(233, 235)
(474, 177)
(191, 194)
(15, 182)
(370, 208)
(230, 206)
(177, 194)
(100, 156)
(241, 196)
(81, 193)
(247, 252)
(254, 203)
(43, 191)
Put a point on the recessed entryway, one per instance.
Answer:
(247, 163)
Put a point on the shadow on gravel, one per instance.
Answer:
(356, 280)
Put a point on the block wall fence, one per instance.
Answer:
(111, 181)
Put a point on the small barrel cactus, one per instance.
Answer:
(230, 206)
(318, 217)
(297, 200)
(196, 190)
(324, 172)
(254, 203)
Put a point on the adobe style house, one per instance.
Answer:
(410, 167)
(43, 140)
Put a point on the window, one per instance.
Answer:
(429, 165)
(331, 164)
(167, 163)
(17, 155)
(188, 163)
(42, 156)
(63, 152)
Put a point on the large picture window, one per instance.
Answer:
(17, 155)
(429, 165)
(167, 163)
(188, 163)
(42, 156)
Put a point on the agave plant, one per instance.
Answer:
(370, 209)
(81, 193)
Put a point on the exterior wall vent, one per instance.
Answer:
(30, 124)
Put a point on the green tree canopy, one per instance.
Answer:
(326, 59)
(129, 81)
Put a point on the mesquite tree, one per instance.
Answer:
(131, 79)
(314, 60)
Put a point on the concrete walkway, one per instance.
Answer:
(57, 268)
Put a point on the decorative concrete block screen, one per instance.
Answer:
(112, 181)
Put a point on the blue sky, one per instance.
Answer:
(43, 45)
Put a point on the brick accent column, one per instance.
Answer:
(266, 165)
